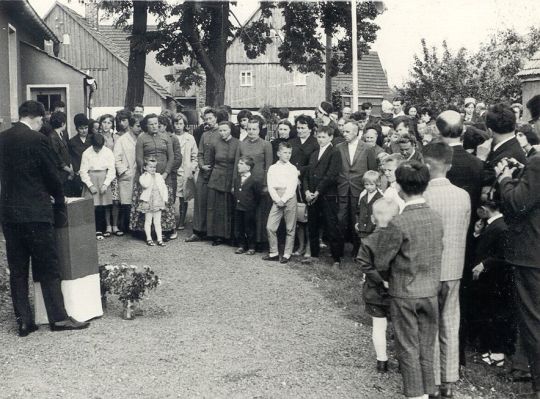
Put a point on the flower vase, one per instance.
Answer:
(127, 313)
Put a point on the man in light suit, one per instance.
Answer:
(356, 159)
(454, 206)
(126, 166)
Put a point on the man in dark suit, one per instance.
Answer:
(356, 159)
(29, 180)
(501, 122)
(60, 149)
(521, 202)
(466, 171)
(320, 188)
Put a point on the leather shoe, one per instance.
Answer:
(193, 238)
(284, 260)
(447, 391)
(216, 243)
(25, 329)
(382, 366)
(271, 258)
(69, 324)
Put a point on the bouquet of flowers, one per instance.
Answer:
(127, 283)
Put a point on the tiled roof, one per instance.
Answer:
(531, 67)
(372, 81)
(120, 37)
(118, 51)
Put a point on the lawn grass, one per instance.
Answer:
(344, 288)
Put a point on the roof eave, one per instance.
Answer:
(36, 18)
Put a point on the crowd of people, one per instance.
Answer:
(441, 211)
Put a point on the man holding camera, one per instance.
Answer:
(521, 202)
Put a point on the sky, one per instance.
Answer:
(462, 23)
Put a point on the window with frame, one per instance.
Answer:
(246, 78)
(300, 79)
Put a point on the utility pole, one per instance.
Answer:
(354, 102)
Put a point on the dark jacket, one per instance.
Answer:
(61, 154)
(302, 152)
(365, 210)
(412, 252)
(521, 202)
(321, 175)
(246, 196)
(28, 176)
(510, 149)
(467, 173)
(222, 156)
(177, 152)
(76, 149)
(491, 244)
(350, 175)
(373, 292)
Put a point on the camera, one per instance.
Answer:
(512, 163)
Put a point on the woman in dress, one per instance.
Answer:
(106, 124)
(284, 129)
(261, 153)
(153, 144)
(97, 172)
(166, 127)
(220, 201)
(188, 169)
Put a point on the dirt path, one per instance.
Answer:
(220, 326)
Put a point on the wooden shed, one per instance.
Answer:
(91, 51)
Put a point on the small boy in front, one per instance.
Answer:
(371, 193)
(412, 258)
(375, 290)
(282, 180)
(247, 192)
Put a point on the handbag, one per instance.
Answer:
(301, 210)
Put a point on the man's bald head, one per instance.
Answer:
(450, 124)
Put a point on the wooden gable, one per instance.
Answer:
(90, 51)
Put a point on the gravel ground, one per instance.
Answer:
(220, 326)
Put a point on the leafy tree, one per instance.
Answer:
(439, 77)
(198, 34)
(140, 40)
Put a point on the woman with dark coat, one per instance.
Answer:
(220, 202)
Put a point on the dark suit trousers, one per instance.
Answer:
(36, 241)
(347, 220)
(324, 213)
(415, 328)
(527, 280)
(245, 226)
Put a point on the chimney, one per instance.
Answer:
(91, 13)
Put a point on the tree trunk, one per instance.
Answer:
(328, 68)
(215, 89)
(137, 56)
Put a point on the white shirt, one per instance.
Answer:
(282, 180)
(493, 218)
(243, 134)
(401, 113)
(322, 150)
(501, 143)
(392, 193)
(415, 202)
(352, 146)
(455, 144)
(303, 140)
(24, 123)
(97, 161)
